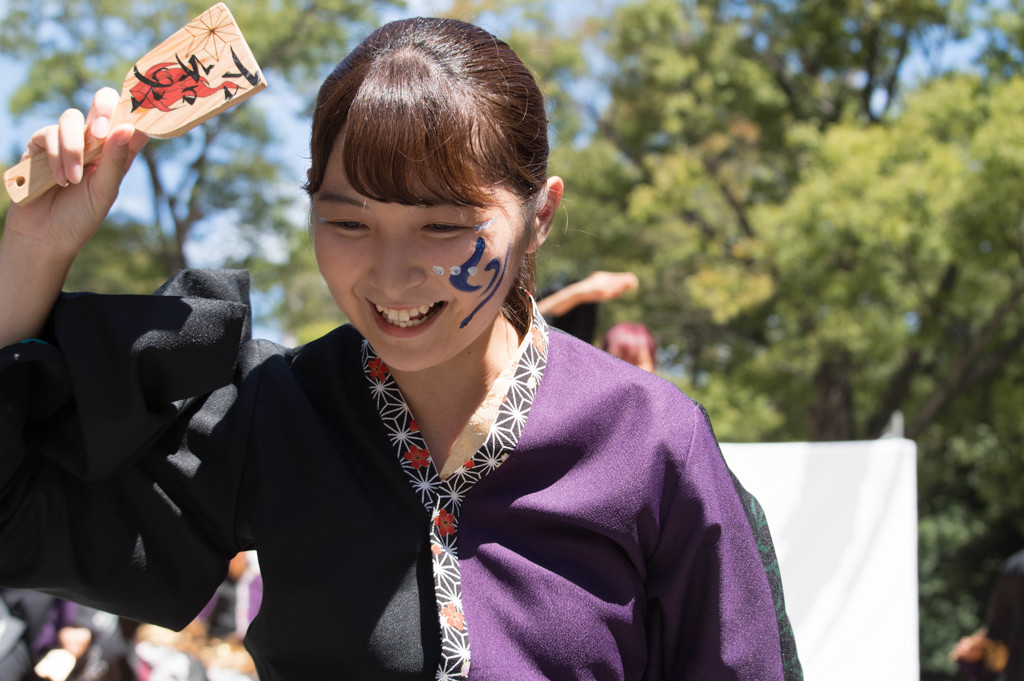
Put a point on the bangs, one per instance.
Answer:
(413, 135)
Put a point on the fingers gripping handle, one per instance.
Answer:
(32, 178)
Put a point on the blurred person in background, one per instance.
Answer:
(996, 652)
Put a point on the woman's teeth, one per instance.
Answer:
(405, 317)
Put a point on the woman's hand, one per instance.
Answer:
(42, 238)
(61, 221)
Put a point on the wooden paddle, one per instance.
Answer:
(203, 69)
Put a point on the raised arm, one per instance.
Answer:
(597, 286)
(42, 238)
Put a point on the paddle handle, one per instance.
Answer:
(32, 178)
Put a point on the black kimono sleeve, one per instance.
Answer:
(121, 448)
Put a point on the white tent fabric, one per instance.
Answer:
(843, 516)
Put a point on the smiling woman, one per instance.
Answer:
(429, 117)
(442, 488)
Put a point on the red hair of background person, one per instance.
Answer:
(633, 342)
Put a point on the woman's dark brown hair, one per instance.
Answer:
(435, 111)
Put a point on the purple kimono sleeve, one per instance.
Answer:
(714, 594)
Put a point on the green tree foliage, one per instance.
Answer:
(902, 251)
(715, 109)
(225, 175)
(818, 250)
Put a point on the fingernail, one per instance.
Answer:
(101, 126)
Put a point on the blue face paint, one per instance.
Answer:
(460, 275)
(499, 274)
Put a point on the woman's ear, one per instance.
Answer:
(546, 214)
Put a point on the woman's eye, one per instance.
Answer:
(442, 228)
(343, 225)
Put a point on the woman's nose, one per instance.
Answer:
(398, 266)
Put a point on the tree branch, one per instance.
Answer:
(776, 67)
(190, 196)
(172, 256)
(903, 378)
(871, 44)
(613, 135)
(892, 83)
(965, 381)
(971, 367)
(738, 209)
(831, 416)
(898, 389)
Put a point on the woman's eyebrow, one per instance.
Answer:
(338, 197)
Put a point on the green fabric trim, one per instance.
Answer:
(762, 537)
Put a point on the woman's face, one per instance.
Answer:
(424, 285)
